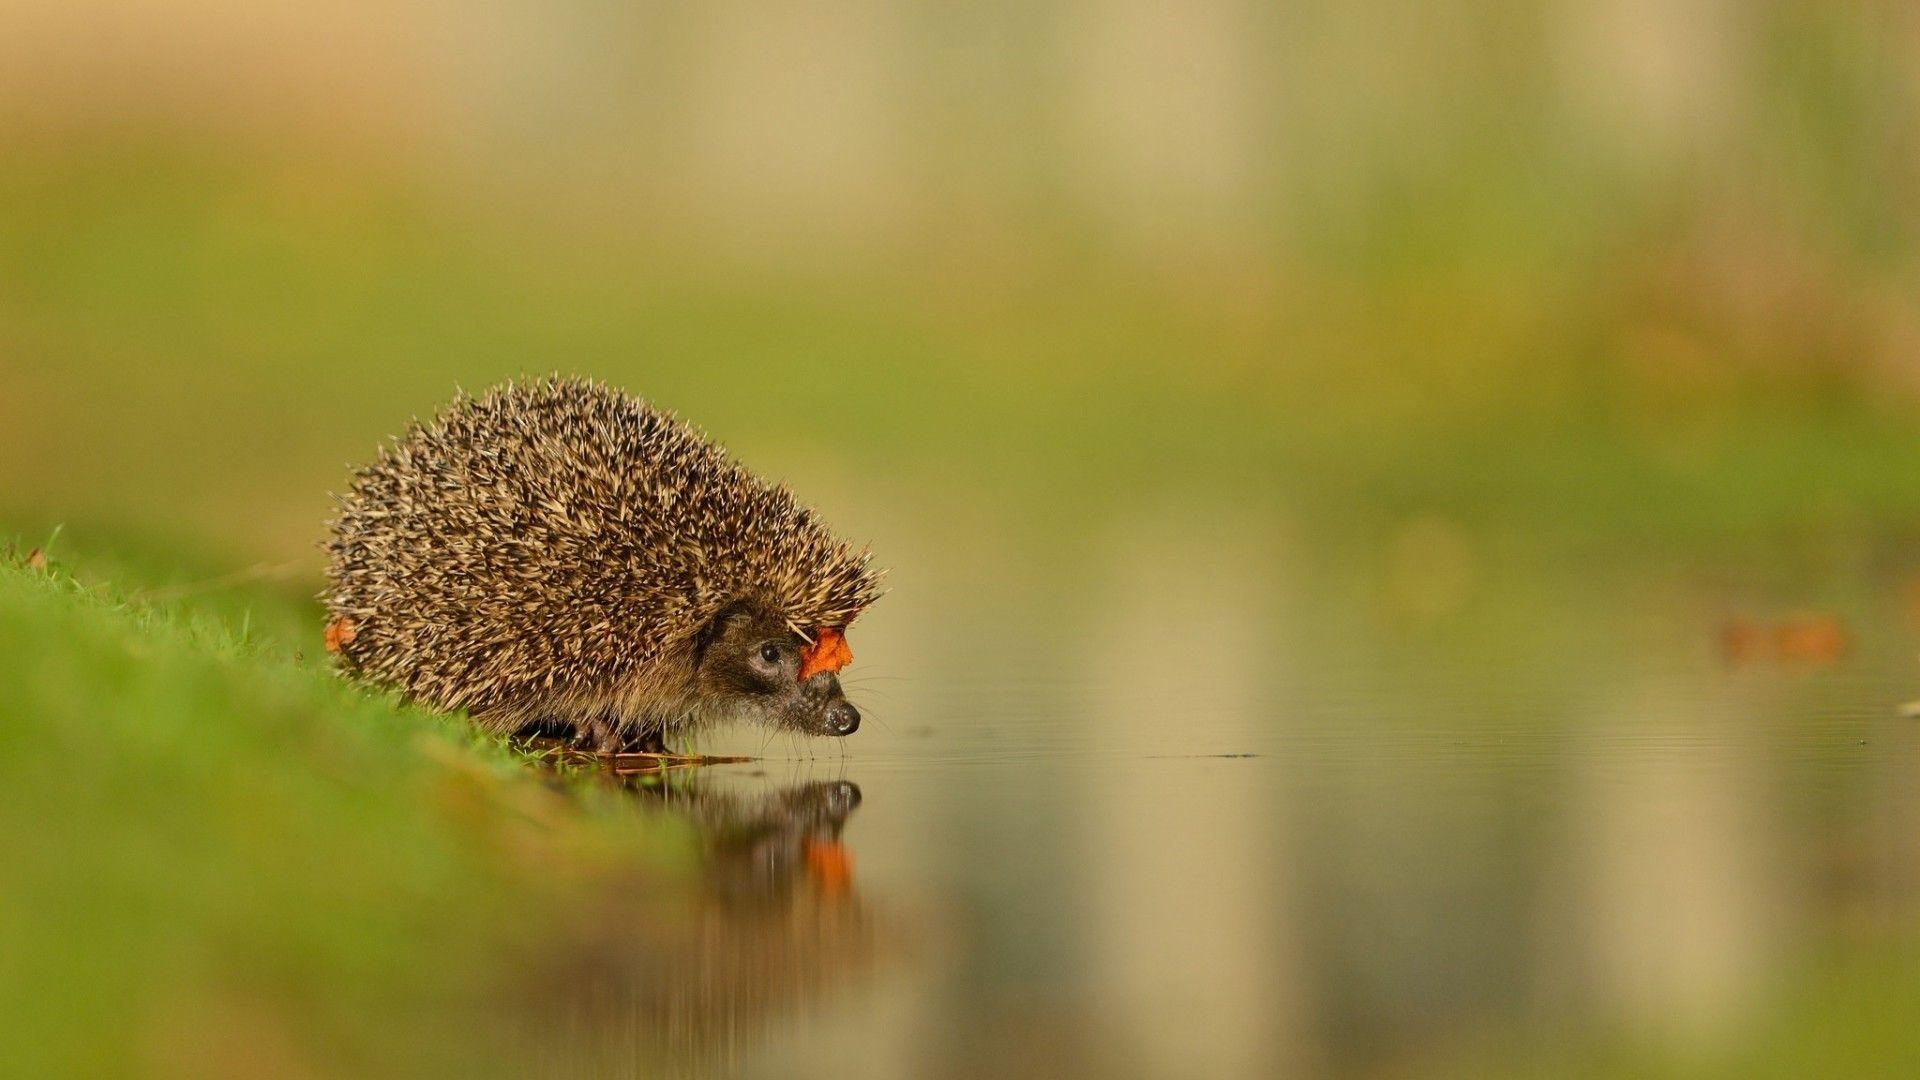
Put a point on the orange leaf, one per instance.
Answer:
(340, 633)
(1814, 638)
(829, 652)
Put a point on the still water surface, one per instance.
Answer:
(1183, 829)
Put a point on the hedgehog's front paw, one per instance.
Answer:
(650, 742)
(598, 735)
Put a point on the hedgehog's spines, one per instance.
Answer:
(553, 545)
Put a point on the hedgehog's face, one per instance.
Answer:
(749, 661)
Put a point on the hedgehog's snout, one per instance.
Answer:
(837, 715)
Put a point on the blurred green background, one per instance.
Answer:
(1613, 263)
(1519, 343)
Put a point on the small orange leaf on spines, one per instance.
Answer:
(829, 652)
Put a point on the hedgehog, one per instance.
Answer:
(560, 556)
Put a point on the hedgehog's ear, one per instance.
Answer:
(736, 614)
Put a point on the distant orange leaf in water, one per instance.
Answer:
(1800, 639)
(829, 652)
(340, 633)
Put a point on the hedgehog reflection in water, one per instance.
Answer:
(559, 554)
(653, 980)
(757, 851)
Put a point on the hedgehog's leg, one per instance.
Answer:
(599, 733)
(651, 741)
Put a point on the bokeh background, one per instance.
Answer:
(1500, 416)
(1656, 253)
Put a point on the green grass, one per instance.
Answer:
(222, 859)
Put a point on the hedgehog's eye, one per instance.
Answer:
(770, 653)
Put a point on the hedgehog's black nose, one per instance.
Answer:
(842, 718)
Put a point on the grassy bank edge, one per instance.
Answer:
(227, 860)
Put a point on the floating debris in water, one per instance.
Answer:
(627, 763)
